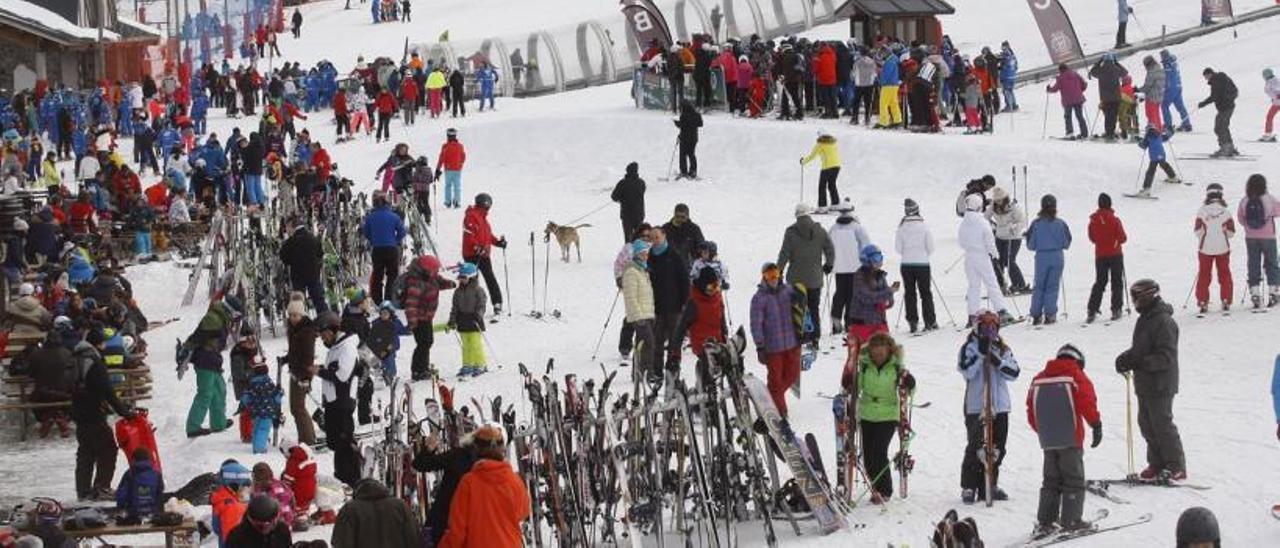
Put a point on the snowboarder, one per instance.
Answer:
(914, 242)
(986, 362)
(1173, 92)
(491, 501)
(1272, 89)
(1153, 141)
(1257, 212)
(776, 333)
(1152, 358)
(1049, 237)
(452, 157)
(826, 148)
(848, 237)
(477, 243)
(808, 251)
(419, 298)
(1222, 94)
(339, 373)
(204, 346)
(1108, 236)
(629, 193)
(1214, 228)
(979, 245)
(1010, 224)
(466, 316)
(385, 231)
(1059, 404)
(688, 123)
(1071, 86)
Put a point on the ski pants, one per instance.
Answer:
(386, 267)
(384, 126)
(1108, 268)
(1008, 260)
(784, 369)
(423, 338)
(827, 101)
(472, 348)
(629, 229)
(453, 187)
(980, 273)
(485, 265)
(262, 434)
(339, 433)
(646, 348)
(1152, 110)
(1271, 118)
(1062, 487)
(344, 125)
(862, 100)
(1155, 422)
(890, 110)
(246, 425)
(142, 243)
(916, 279)
(211, 400)
(1078, 112)
(971, 469)
(459, 104)
(1222, 126)
(1120, 38)
(702, 91)
(666, 348)
(359, 119)
(1174, 100)
(1151, 172)
(1010, 101)
(677, 92)
(408, 109)
(1262, 257)
(1205, 275)
(486, 94)
(298, 391)
(315, 293)
(840, 299)
(1110, 111)
(827, 186)
(253, 194)
(688, 157)
(389, 366)
(1044, 297)
(95, 456)
(876, 437)
(436, 102)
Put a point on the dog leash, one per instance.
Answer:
(589, 213)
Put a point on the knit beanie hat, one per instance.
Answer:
(1214, 190)
(1070, 351)
(706, 277)
(910, 207)
(1104, 201)
(638, 247)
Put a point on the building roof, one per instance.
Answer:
(894, 8)
(133, 30)
(47, 24)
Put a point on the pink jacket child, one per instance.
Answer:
(264, 482)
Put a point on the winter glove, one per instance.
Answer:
(618, 282)
(908, 381)
(984, 345)
(762, 356)
(1097, 435)
(501, 243)
(1122, 363)
(826, 268)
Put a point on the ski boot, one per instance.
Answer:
(1043, 530)
(1274, 298)
(1050, 319)
(914, 328)
(1222, 152)
(968, 496)
(1116, 314)
(1268, 138)
(497, 309)
(1175, 180)
(1091, 316)
(1204, 308)
(1006, 318)
(1149, 473)
(1145, 192)
(1255, 294)
(1226, 307)
(1036, 320)
(930, 327)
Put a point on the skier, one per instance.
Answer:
(452, 157)
(1198, 528)
(466, 316)
(1059, 404)
(262, 401)
(339, 373)
(1122, 21)
(1010, 224)
(384, 229)
(1152, 358)
(890, 116)
(1153, 141)
(979, 246)
(1222, 93)
(1109, 72)
(914, 242)
(204, 348)
(488, 77)
(375, 517)
(776, 333)
(1272, 89)
(477, 243)
(988, 365)
(419, 298)
(302, 254)
(848, 237)
(387, 105)
(1214, 228)
(864, 82)
(808, 251)
(869, 298)
(1049, 237)
(1257, 212)
(436, 83)
(261, 526)
(1153, 92)
(408, 97)
(457, 86)
(491, 501)
(1108, 236)
(830, 153)
(1008, 76)
(296, 21)
(300, 357)
(688, 123)
(629, 193)
(1071, 86)
(384, 338)
(881, 376)
(1173, 92)
(241, 365)
(91, 394)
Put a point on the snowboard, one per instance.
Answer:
(815, 492)
(137, 432)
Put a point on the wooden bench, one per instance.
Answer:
(18, 389)
(175, 536)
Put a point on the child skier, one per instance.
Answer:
(881, 374)
(384, 338)
(467, 317)
(1257, 212)
(987, 365)
(703, 320)
(140, 489)
(1214, 229)
(1049, 237)
(1127, 116)
(242, 357)
(227, 501)
(1107, 234)
(1060, 402)
(708, 256)
(300, 476)
(262, 401)
(1153, 141)
(265, 483)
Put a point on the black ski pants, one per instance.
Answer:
(971, 470)
(1222, 126)
(665, 341)
(1062, 487)
(386, 267)
(840, 299)
(1109, 111)
(791, 98)
(1107, 268)
(1164, 444)
(1007, 260)
(827, 186)
(339, 433)
(384, 126)
(459, 107)
(876, 437)
(423, 338)
(688, 157)
(863, 97)
(95, 452)
(917, 280)
(485, 265)
(1150, 176)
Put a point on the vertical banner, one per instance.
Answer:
(1216, 9)
(1056, 28)
(646, 22)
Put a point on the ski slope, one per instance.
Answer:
(556, 158)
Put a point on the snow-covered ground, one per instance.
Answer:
(557, 157)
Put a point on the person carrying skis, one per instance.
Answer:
(629, 193)
(1152, 359)
(1257, 212)
(384, 229)
(808, 251)
(870, 297)
(979, 245)
(1059, 404)
(1049, 237)
(466, 316)
(1214, 228)
(688, 123)
(204, 348)
(491, 500)
(826, 148)
(339, 373)
(882, 376)
(1173, 92)
(1222, 93)
(848, 237)
(477, 243)
(987, 365)
(1010, 224)
(1153, 141)
(1272, 89)
(776, 333)
(1071, 88)
(1108, 236)
(452, 157)
(262, 401)
(914, 242)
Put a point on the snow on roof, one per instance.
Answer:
(135, 26)
(58, 27)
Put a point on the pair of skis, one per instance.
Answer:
(844, 409)
(1061, 536)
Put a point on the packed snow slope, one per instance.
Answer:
(556, 158)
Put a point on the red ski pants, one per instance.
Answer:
(784, 369)
(1207, 263)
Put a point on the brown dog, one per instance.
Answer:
(565, 236)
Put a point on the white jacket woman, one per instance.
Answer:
(913, 241)
(848, 237)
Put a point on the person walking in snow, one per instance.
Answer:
(668, 272)
(1153, 141)
(914, 243)
(457, 87)
(385, 231)
(826, 148)
(296, 21)
(1153, 92)
(882, 376)
(478, 242)
(848, 237)
(1214, 228)
(1060, 403)
(203, 349)
(688, 123)
(1071, 88)
(1049, 237)
(1257, 212)
(450, 161)
(979, 245)
(1173, 92)
(1152, 359)
(466, 316)
(1272, 88)
(629, 193)
(1108, 236)
(985, 359)
(637, 299)
(1222, 94)
(1010, 224)
(775, 332)
(808, 252)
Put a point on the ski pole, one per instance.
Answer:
(1094, 124)
(506, 277)
(1062, 289)
(943, 300)
(1124, 280)
(1189, 291)
(802, 182)
(1128, 418)
(671, 165)
(607, 319)
(533, 276)
(953, 264)
(1044, 126)
(546, 274)
(1141, 156)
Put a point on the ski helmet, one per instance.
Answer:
(326, 321)
(263, 509)
(468, 270)
(870, 256)
(233, 474)
(484, 200)
(1144, 291)
(1197, 524)
(1070, 351)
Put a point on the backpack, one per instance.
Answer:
(1255, 213)
(953, 532)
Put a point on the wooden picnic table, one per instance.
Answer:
(175, 536)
